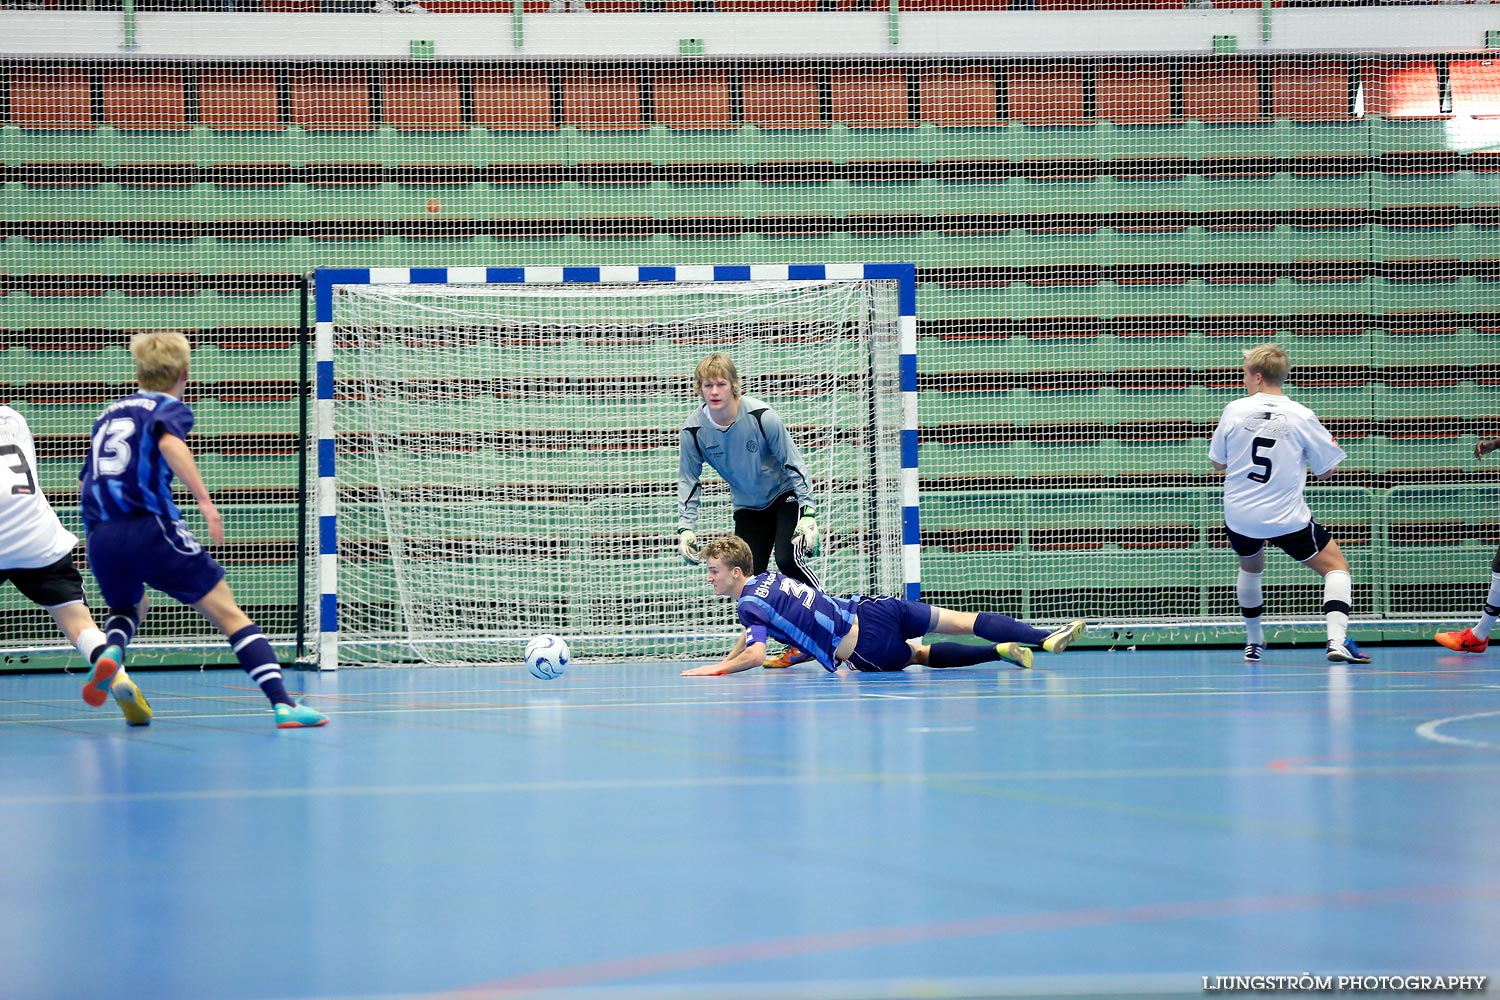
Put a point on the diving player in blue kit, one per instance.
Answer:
(865, 633)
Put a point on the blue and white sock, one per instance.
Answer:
(259, 661)
(120, 626)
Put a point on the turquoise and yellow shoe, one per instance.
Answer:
(96, 688)
(299, 717)
(134, 704)
(1062, 638)
(1015, 653)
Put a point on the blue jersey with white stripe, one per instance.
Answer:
(795, 613)
(125, 472)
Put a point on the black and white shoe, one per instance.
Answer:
(1253, 651)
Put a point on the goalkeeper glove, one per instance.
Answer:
(805, 536)
(688, 547)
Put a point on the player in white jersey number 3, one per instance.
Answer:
(36, 554)
(1264, 444)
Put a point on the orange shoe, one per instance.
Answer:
(1462, 642)
(787, 657)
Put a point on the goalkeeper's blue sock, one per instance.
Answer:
(259, 661)
(1003, 628)
(941, 655)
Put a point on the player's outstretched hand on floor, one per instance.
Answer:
(707, 670)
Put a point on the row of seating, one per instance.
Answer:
(1034, 92)
(1348, 172)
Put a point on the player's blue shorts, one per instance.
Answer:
(129, 554)
(885, 623)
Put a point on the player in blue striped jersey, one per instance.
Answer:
(746, 442)
(135, 534)
(864, 633)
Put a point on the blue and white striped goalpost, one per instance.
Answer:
(325, 280)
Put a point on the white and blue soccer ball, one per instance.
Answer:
(547, 657)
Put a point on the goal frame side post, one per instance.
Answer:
(325, 280)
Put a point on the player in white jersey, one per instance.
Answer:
(1476, 638)
(36, 554)
(1264, 444)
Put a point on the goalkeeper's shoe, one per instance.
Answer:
(787, 657)
(1254, 651)
(96, 688)
(134, 704)
(1015, 653)
(1462, 642)
(1347, 651)
(1062, 638)
(299, 717)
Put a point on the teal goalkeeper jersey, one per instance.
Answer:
(755, 455)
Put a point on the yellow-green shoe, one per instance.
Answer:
(1063, 637)
(1015, 653)
(134, 704)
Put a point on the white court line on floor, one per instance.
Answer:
(1429, 731)
(336, 710)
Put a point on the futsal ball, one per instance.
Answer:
(547, 657)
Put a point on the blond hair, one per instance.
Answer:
(717, 365)
(1269, 362)
(160, 359)
(732, 551)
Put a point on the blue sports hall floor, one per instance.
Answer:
(1110, 823)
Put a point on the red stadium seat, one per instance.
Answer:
(145, 99)
(1476, 87)
(782, 98)
(55, 97)
(691, 98)
(238, 100)
(1046, 93)
(1402, 89)
(423, 100)
(602, 99)
(870, 97)
(1221, 91)
(335, 100)
(1133, 93)
(517, 100)
(1311, 91)
(960, 96)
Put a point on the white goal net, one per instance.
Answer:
(505, 457)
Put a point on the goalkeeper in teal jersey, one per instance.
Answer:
(748, 445)
(861, 633)
(1476, 638)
